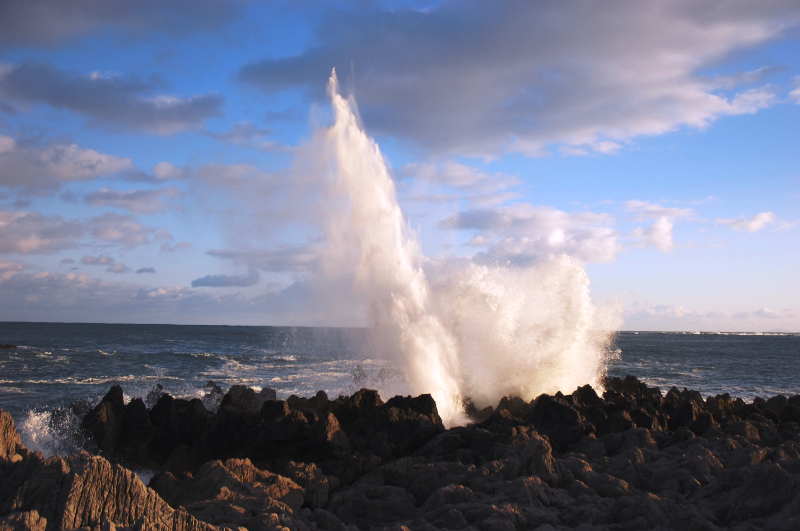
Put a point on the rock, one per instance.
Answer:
(6, 346)
(557, 419)
(23, 521)
(154, 394)
(102, 424)
(81, 491)
(244, 399)
(630, 459)
(213, 396)
(9, 437)
(232, 493)
(311, 479)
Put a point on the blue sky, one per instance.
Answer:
(152, 153)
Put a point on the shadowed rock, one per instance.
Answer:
(629, 459)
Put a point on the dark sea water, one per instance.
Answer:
(56, 364)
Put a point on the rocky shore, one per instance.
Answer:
(631, 459)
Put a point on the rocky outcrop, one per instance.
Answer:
(347, 434)
(90, 493)
(629, 459)
(55, 494)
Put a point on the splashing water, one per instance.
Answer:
(484, 333)
(388, 265)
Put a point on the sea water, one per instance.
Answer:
(56, 364)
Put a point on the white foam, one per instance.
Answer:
(36, 432)
(486, 331)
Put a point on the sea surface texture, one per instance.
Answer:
(57, 364)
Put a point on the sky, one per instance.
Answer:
(154, 155)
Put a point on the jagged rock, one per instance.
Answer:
(233, 492)
(9, 438)
(23, 521)
(81, 491)
(101, 426)
(631, 459)
(310, 478)
(561, 422)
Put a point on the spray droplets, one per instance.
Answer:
(488, 331)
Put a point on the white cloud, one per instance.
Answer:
(165, 170)
(113, 265)
(49, 22)
(648, 210)
(676, 317)
(795, 94)
(46, 168)
(766, 313)
(117, 102)
(113, 228)
(9, 269)
(6, 144)
(659, 234)
(34, 233)
(523, 232)
(284, 259)
(758, 222)
(227, 281)
(135, 201)
(482, 79)
(472, 185)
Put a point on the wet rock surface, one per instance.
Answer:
(629, 459)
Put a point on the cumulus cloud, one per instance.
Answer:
(248, 135)
(113, 265)
(676, 317)
(9, 269)
(146, 270)
(648, 210)
(167, 247)
(483, 78)
(118, 229)
(469, 184)
(35, 233)
(135, 201)
(49, 22)
(766, 313)
(115, 101)
(758, 222)
(79, 297)
(30, 232)
(795, 94)
(165, 170)
(659, 234)
(523, 232)
(42, 169)
(226, 281)
(284, 259)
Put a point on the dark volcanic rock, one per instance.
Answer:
(80, 491)
(629, 460)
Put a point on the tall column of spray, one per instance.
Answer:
(389, 263)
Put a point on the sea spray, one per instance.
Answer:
(388, 267)
(486, 331)
(523, 331)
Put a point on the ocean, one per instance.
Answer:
(56, 364)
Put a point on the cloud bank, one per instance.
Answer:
(125, 102)
(227, 281)
(486, 78)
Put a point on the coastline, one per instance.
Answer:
(631, 459)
